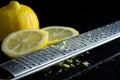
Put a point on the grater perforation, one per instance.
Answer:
(61, 51)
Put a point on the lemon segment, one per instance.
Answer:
(16, 16)
(59, 33)
(23, 42)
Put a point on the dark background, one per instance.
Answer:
(83, 16)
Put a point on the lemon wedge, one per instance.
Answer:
(59, 33)
(23, 42)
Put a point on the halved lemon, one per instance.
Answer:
(23, 42)
(59, 33)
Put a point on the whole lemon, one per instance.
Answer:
(15, 16)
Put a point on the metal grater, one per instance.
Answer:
(53, 54)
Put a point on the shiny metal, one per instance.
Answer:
(42, 59)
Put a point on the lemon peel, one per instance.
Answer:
(15, 17)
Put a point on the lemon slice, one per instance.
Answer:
(59, 33)
(24, 42)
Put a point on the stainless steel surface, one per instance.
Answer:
(42, 59)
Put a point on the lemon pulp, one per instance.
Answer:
(24, 42)
(59, 33)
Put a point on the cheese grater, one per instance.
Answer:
(61, 51)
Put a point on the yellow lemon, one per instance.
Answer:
(23, 42)
(15, 16)
(59, 33)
